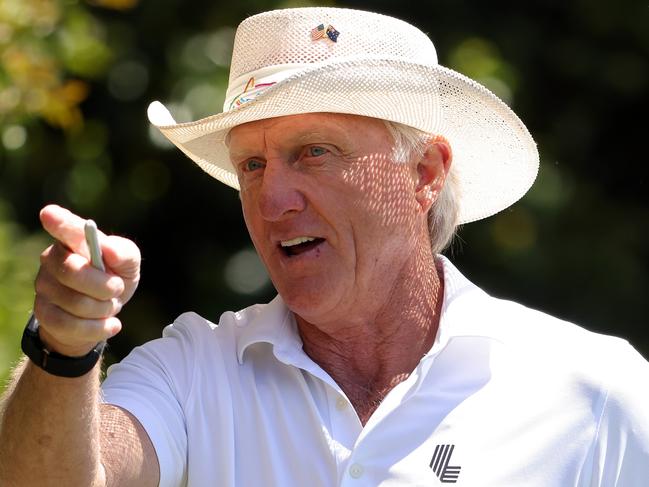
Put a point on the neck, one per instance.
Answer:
(371, 353)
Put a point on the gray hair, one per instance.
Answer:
(443, 214)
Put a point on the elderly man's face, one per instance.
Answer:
(332, 216)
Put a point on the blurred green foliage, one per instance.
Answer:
(18, 265)
(76, 77)
(49, 52)
(44, 46)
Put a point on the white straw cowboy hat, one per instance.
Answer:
(305, 60)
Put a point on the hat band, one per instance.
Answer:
(249, 86)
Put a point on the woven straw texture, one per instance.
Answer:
(379, 67)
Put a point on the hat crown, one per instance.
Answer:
(283, 37)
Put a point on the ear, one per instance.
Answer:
(432, 170)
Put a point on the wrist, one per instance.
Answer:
(54, 345)
(54, 362)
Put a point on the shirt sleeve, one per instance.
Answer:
(152, 383)
(621, 448)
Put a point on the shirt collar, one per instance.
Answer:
(274, 323)
(271, 323)
(461, 298)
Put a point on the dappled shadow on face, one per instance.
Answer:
(403, 323)
(368, 305)
(386, 189)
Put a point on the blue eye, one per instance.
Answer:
(316, 151)
(252, 165)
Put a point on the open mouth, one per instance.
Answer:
(299, 245)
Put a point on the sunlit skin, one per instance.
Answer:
(366, 294)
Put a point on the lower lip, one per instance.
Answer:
(313, 253)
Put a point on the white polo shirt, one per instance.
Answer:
(507, 396)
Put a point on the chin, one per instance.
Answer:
(308, 302)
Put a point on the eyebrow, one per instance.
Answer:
(310, 136)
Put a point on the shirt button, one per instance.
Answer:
(356, 470)
(341, 404)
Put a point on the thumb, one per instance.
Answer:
(121, 256)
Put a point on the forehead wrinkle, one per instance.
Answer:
(312, 136)
(245, 149)
(309, 131)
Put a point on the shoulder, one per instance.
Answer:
(516, 324)
(193, 339)
(556, 340)
(566, 360)
(537, 337)
(470, 311)
(200, 332)
(535, 344)
(192, 352)
(191, 323)
(196, 341)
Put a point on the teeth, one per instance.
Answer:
(296, 241)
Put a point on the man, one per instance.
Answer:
(356, 156)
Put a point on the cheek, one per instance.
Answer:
(385, 191)
(252, 219)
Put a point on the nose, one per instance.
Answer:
(279, 195)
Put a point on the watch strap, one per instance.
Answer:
(55, 363)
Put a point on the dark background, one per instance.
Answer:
(575, 72)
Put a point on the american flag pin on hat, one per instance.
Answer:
(322, 32)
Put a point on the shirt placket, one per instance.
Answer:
(357, 471)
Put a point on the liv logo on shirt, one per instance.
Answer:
(447, 474)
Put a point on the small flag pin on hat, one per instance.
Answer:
(324, 32)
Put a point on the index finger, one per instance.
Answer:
(66, 227)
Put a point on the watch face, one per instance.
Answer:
(32, 324)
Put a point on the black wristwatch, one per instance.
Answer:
(52, 362)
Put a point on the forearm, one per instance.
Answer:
(50, 425)
(49, 430)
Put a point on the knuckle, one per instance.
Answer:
(114, 287)
(83, 282)
(72, 263)
(110, 288)
(84, 307)
(58, 265)
(45, 255)
(104, 293)
(55, 254)
(74, 273)
(91, 330)
(81, 305)
(95, 309)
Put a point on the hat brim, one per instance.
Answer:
(495, 158)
